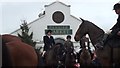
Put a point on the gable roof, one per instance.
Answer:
(75, 18)
(57, 2)
(28, 23)
(44, 15)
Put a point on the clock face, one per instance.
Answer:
(58, 17)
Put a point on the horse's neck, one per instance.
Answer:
(95, 33)
(96, 39)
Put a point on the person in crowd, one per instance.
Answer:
(48, 41)
(85, 43)
(68, 44)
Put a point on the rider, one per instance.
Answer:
(48, 41)
(116, 28)
(115, 33)
(68, 43)
(84, 42)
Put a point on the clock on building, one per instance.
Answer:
(58, 17)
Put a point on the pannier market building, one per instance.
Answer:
(57, 18)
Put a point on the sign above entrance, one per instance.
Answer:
(60, 30)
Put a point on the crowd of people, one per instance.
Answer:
(50, 42)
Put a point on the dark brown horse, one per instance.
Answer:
(17, 54)
(108, 54)
(85, 55)
(85, 58)
(70, 57)
(53, 57)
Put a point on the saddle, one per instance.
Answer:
(109, 40)
(114, 43)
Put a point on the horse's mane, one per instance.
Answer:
(91, 24)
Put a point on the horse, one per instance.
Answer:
(85, 55)
(54, 56)
(85, 58)
(108, 55)
(15, 53)
(70, 57)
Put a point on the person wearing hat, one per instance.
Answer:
(117, 25)
(114, 35)
(48, 41)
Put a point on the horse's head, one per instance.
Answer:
(82, 30)
(95, 33)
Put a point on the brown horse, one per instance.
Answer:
(53, 57)
(85, 58)
(70, 57)
(15, 53)
(108, 54)
(85, 55)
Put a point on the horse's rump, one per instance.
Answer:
(17, 53)
(8, 38)
(22, 54)
(6, 59)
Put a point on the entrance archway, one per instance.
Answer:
(59, 40)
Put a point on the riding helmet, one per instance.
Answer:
(116, 6)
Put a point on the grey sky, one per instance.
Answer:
(97, 11)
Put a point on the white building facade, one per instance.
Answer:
(57, 18)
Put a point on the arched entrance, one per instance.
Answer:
(59, 40)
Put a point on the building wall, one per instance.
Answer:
(39, 25)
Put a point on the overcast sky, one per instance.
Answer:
(12, 12)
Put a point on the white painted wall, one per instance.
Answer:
(39, 25)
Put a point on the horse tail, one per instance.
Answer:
(6, 61)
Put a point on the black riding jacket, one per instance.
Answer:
(116, 28)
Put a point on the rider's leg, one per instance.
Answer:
(103, 41)
(107, 37)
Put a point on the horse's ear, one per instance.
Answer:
(82, 19)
